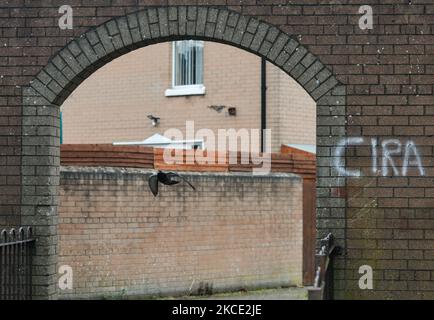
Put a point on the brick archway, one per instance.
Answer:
(84, 55)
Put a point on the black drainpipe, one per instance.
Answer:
(263, 101)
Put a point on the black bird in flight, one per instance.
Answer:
(168, 179)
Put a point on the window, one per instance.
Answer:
(187, 68)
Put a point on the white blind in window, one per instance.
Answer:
(187, 63)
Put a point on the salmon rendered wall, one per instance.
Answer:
(113, 104)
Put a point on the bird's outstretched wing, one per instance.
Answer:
(153, 184)
(188, 182)
(172, 175)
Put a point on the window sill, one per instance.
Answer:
(185, 91)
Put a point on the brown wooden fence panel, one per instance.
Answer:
(188, 161)
(106, 155)
(145, 157)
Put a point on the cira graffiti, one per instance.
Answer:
(385, 164)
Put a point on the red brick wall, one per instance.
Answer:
(233, 232)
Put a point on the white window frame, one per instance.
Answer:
(185, 90)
